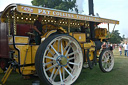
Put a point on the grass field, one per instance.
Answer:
(118, 76)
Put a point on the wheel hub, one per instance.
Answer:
(62, 60)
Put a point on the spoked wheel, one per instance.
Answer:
(106, 60)
(59, 60)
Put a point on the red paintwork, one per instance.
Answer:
(23, 28)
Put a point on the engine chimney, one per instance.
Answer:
(91, 12)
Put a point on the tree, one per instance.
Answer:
(115, 37)
(123, 36)
(65, 5)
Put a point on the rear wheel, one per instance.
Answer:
(106, 60)
(59, 60)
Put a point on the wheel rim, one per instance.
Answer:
(107, 61)
(62, 61)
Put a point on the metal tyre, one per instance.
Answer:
(106, 60)
(59, 60)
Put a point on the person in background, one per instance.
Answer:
(117, 45)
(126, 49)
(104, 46)
(38, 30)
(120, 50)
(121, 44)
(111, 47)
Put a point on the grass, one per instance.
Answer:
(118, 76)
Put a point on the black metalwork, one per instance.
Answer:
(91, 12)
(91, 7)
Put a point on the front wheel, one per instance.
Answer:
(106, 60)
(59, 60)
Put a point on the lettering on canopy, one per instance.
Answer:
(55, 13)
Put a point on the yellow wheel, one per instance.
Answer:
(59, 60)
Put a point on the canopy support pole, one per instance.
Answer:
(9, 24)
(14, 22)
(113, 28)
(108, 31)
(68, 26)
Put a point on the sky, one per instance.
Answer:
(111, 9)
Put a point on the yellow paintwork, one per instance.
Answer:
(85, 45)
(2, 20)
(80, 37)
(28, 50)
(47, 34)
(101, 33)
(98, 52)
(70, 33)
(53, 31)
(8, 72)
(30, 58)
(91, 47)
(19, 40)
(1, 71)
(49, 27)
(91, 55)
(62, 29)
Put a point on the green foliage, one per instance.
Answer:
(57, 4)
(115, 37)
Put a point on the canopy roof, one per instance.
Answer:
(54, 13)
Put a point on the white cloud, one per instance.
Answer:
(80, 6)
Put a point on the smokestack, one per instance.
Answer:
(91, 7)
(91, 24)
